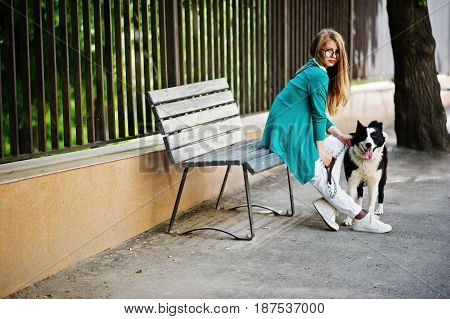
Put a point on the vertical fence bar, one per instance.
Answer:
(100, 127)
(257, 30)
(195, 39)
(1, 106)
(287, 42)
(87, 60)
(181, 42)
(229, 44)
(65, 86)
(269, 52)
(242, 63)
(129, 75)
(146, 53)
(12, 85)
(235, 8)
(351, 27)
(299, 26)
(145, 47)
(260, 55)
(26, 138)
(154, 32)
(272, 49)
(40, 80)
(317, 15)
(77, 71)
(119, 68)
(299, 21)
(51, 50)
(221, 21)
(279, 45)
(202, 40)
(216, 45)
(252, 93)
(172, 43)
(163, 43)
(301, 47)
(188, 41)
(293, 37)
(210, 43)
(109, 70)
(301, 35)
(138, 67)
(308, 30)
(246, 59)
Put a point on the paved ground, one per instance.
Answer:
(290, 257)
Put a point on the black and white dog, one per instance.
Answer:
(365, 164)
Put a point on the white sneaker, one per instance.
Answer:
(327, 212)
(371, 224)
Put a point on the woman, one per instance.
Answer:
(297, 125)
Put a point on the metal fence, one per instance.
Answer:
(73, 73)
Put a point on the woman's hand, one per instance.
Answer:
(346, 139)
(325, 158)
(323, 154)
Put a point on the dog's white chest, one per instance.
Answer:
(367, 171)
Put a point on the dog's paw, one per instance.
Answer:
(347, 222)
(379, 210)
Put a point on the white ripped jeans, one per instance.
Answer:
(341, 201)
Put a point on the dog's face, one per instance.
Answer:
(368, 139)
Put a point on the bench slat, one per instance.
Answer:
(261, 152)
(235, 160)
(163, 111)
(235, 155)
(223, 152)
(202, 132)
(204, 146)
(199, 118)
(185, 91)
(207, 158)
(232, 155)
(264, 163)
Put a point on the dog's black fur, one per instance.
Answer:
(365, 164)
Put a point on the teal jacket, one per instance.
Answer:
(297, 118)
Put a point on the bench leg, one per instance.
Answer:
(223, 185)
(291, 197)
(249, 201)
(175, 209)
(177, 202)
(275, 212)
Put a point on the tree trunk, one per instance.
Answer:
(420, 119)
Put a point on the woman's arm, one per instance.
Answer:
(344, 138)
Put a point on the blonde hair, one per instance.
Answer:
(339, 86)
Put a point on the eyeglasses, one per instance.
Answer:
(330, 52)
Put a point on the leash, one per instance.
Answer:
(332, 186)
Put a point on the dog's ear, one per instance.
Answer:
(376, 124)
(359, 126)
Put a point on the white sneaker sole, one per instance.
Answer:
(371, 230)
(320, 206)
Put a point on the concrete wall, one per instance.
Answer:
(51, 221)
(59, 210)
